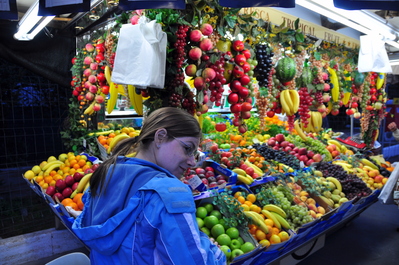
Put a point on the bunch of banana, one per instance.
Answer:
(335, 82)
(289, 99)
(257, 220)
(368, 163)
(243, 177)
(257, 170)
(136, 100)
(336, 182)
(345, 165)
(51, 166)
(116, 140)
(340, 147)
(299, 131)
(314, 122)
(347, 95)
(83, 185)
(89, 110)
(327, 201)
(276, 214)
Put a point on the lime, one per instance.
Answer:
(223, 239)
(216, 213)
(206, 230)
(223, 222)
(217, 230)
(208, 207)
(200, 222)
(247, 247)
(201, 212)
(233, 232)
(210, 221)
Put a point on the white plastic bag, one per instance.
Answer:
(372, 55)
(141, 55)
(387, 193)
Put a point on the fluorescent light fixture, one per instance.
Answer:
(31, 23)
(358, 20)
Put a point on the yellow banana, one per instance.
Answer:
(329, 107)
(276, 209)
(335, 82)
(336, 183)
(244, 179)
(239, 171)
(201, 120)
(284, 104)
(283, 222)
(290, 104)
(299, 131)
(295, 99)
(380, 80)
(327, 200)
(89, 110)
(52, 167)
(335, 142)
(255, 167)
(49, 164)
(346, 98)
(107, 73)
(86, 187)
(314, 121)
(309, 128)
(113, 96)
(83, 182)
(269, 215)
(116, 140)
(257, 220)
(367, 162)
(135, 100)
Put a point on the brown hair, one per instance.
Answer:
(178, 123)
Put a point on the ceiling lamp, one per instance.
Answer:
(356, 19)
(31, 23)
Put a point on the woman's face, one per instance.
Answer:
(178, 154)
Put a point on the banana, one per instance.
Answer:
(49, 164)
(299, 131)
(284, 223)
(327, 201)
(315, 121)
(284, 103)
(336, 183)
(52, 167)
(239, 171)
(107, 73)
(74, 194)
(295, 99)
(276, 209)
(289, 102)
(257, 220)
(335, 82)
(346, 98)
(269, 215)
(113, 96)
(255, 167)
(342, 163)
(86, 187)
(244, 179)
(135, 100)
(335, 142)
(83, 182)
(380, 80)
(89, 110)
(367, 162)
(116, 140)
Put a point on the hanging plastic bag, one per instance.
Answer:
(373, 56)
(387, 193)
(140, 58)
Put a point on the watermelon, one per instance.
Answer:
(359, 79)
(307, 76)
(285, 69)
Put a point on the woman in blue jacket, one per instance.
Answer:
(137, 211)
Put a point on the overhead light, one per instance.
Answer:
(358, 20)
(31, 23)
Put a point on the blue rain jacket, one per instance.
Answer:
(146, 216)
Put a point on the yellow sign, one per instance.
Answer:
(277, 17)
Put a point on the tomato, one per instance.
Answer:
(238, 45)
(245, 79)
(247, 53)
(232, 98)
(246, 106)
(235, 108)
(240, 59)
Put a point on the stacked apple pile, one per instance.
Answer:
(211, 222)
(303, 154)
(209, 177)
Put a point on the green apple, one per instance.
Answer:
(206, 230)
(208, 207)
(210, 221)
(227, 251)
(235, 244)
(223, 239)
(217, 230)
(233, 232)
(241, 240)
(200, 222)
(216, 213)
(247, 247)
(223, 222)
(201, 212)
(236, 252)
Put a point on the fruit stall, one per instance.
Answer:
(271, 177)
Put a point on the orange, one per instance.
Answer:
(73, 162)
(66, 201)
(53, 172)
(73, 205)
(78, 197)
(284, 236)
(255, 208)
(39, 179)
(52, 183)
(85, 167)
(237, 194)
(269, 222)
(109, 140)
(251, 197)
(275, 239)
(241, 199)
(101, 137)
(81, 205)
(253, 228)
(76, 166)
(260, 235)
(103, 141)
(111, 135)
(248, 203)
(72, 171)
(82, 162)
(244, 207)
(77, 157)
(48, 179)
(275, 230)
(237, 138)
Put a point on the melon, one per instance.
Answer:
(285, 69)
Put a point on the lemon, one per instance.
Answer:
(83, 157)
(51, 158)
(36, 169)
(42, 164)
(62, 157)
(29, 174)
(260, 137)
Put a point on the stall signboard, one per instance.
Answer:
(278, 17)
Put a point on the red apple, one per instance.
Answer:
(280, 137)
(317, 158)
(58, 196)
(271, 142)
(50, 190)
(209, 174)
(250, 171)
(60, 185)
(200, 170)
(284, 144)
(67, 192)
(310, 154)
(304, 158)
(78, 176)
(74, 186)
(309, 162)
(69, 180)
(302, 151)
